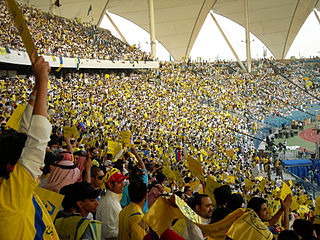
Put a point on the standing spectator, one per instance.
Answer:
(22, 156)
(81, 199)
(131, 216)
(202, 205)
(109, 207)
(138, 172)
(97, 175)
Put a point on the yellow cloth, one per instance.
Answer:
(129, 219)
(22, 213)
(160, 216)
(249, 226)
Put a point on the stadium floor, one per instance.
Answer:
(305, 139)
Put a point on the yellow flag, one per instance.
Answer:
(111, 147)
(125, 137)
(51, 200)
(160, 216)
(249, 226)
(179, 226)
(211, 185)
(14, 121)
(70, 132)
(317, 211)
(21, 25)
(195, 167)
(285, 190)
(168, 173)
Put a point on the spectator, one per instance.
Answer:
(109, 205)
(22, 156)
(131, 216)
(80, 200)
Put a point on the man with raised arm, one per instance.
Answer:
(22, 214)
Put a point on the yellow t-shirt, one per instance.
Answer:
(22, 213)
(129, 219)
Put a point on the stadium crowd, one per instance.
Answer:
(62, 37)
(128, 148)
(182, 110)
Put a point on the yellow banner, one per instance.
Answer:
(317, 212)
(125, 137)
(160, 216)
(195, 167)
(285, 190)
(249, 226)
(70, 132)
(168, 173)
(51, 200)
(14, 121)
(21, 26)
(179, 179)
(211, 185)
(230, 153)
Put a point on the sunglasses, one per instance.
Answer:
(100, 177)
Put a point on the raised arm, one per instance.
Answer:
(38, 133)
(140, 162)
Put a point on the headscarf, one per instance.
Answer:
(64, 173)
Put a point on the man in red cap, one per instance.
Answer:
(109, 206)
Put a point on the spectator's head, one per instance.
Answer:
(202, 205)
(288, 235)
(160, 177)
(259, 205)
(97, 175)
(180, 194)
(234, 201)
(49, 161)
(81, 196)
(304, 228)
(114, 180)
(11, 146)
(221, 194)
(135, 173)
(188, 191)
(137, 191)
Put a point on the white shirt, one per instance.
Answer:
(108, 213)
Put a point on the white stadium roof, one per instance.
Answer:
(178, 22)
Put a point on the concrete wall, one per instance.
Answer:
(21, 58)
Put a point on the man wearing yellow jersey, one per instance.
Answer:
(131, 216)
(22, 214)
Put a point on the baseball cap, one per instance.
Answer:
(114, 175)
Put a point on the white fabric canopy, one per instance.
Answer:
(178, 22)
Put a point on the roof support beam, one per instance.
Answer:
(152, 29)
(227, 41)
(116, 28)
(317, 16)
(103, 11)
(248, 49)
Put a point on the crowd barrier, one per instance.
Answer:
(21, 58)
